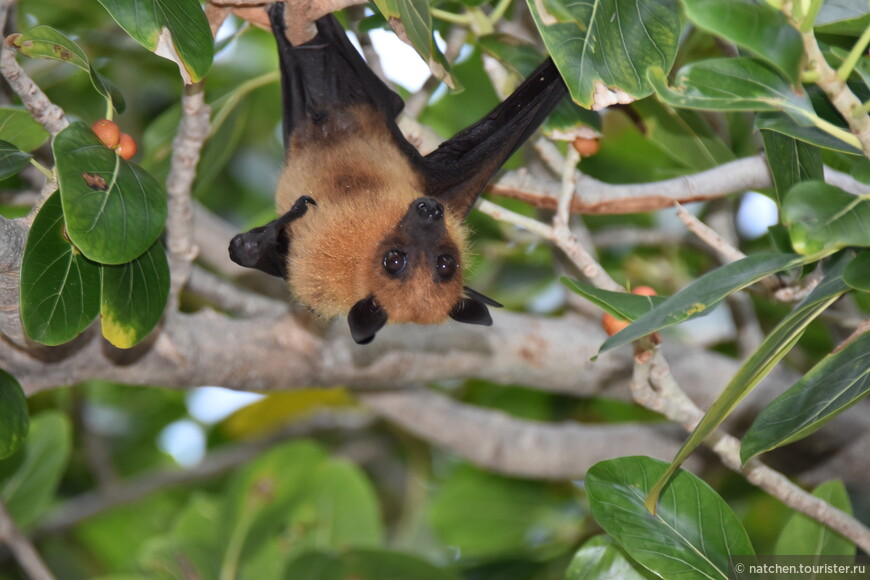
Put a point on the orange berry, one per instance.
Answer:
(644, 291)
(108, 132)
(126, 147)
(586, 147)
(611, 324)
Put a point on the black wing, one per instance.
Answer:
(328, 74)
(459, 169)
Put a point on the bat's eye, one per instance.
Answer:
(445, 266)
(395, 261)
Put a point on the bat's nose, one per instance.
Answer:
(429, 209)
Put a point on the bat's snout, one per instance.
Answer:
(429, 209)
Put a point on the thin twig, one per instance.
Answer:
(26, 555)
(709, 236)
(193, 130)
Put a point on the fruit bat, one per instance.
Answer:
(369, 227)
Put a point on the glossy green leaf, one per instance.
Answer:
(29, 478)
(12, 159)
(46, 42)
(113, 209)
(773, 348)
(60, 288)
(682, 134)
(19, 128)
(805, 536)
(699, 297)
(857, 274)
(691, 535)
(603, 559)
(752, 25)
(782, 123)
(14, 420)
(133, 297)
(836, 383)
(732, 84)
(790, 161)
(174, 29)
(824, 218)
(485, 515)
(609, 44)
(845, 17)
(361, 564)
(623, 305)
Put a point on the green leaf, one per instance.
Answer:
(609, 44)
(784, 124)
(623, 305)
(20, 129)
(755, 26)
(361, 564)
(790, 161)
(133, 297)
(29, 478)
(260, 497)
(113, 209)
(339, 509)
(824, 218)
(12, 159)
(60, 288)
(836, 383)
(46, 42)
(602, 559)
(846, 17)
(732, 84)
(174, 29)
(805, 536)
(857, 274)
(699, 297)
(14, 420)
(485, 515)
(691, 535)
(683, 135)
(774, 347)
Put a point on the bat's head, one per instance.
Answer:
(416, 274)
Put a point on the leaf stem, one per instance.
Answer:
(450, 16)
(110, 108)
(856, 53)
(481, 22)
(809, 17)
(499, 11)
(838, 132)
(42, 169)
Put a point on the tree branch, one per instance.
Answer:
(596, 197)
(26, 555)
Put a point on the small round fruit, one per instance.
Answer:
(126, 147)
(108, 132)
(611, 324)
(586, 147)
(644, 291)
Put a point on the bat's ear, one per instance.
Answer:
(265, 248)
(366, 318)
(472, 309)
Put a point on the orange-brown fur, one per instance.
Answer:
(363, 186)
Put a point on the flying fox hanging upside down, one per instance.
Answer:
(370, 228)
